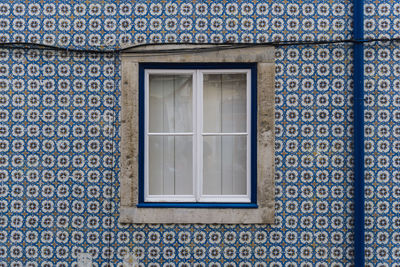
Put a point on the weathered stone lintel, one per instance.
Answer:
(237, 55)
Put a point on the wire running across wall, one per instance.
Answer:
(201, 46)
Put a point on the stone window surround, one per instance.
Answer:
(129, 212)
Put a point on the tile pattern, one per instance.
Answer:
(382, 155)
(59, 135)
(101, 24)
(382, 135)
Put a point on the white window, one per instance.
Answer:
(199, 146)
(197, 135)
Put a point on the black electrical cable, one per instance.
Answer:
(214, 46)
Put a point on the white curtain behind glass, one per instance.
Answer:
(224, 156)
(170, 103)
(170, 157)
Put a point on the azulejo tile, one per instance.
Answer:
(59, 134)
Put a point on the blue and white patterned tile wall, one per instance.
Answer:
(382, 155)
(382, 135)
(108, 24)
(59, 125)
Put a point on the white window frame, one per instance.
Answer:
(198, 134)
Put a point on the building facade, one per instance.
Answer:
(60, 125)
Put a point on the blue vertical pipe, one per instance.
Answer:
(359, 199)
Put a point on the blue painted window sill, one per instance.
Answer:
(199, 205)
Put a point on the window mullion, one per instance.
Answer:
(199, 130)
(195, 136)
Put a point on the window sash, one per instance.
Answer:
(198, 138)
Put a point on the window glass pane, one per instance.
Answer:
(224, 165)
(170, 100)
(170, 165)
(224, 107)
